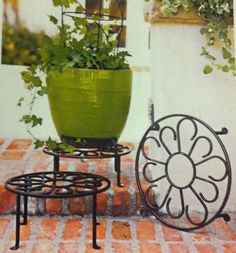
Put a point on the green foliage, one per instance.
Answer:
(81, 45)
(65, 3)
(207, 69)
(19, 45)
(66, 50)
(219, 17)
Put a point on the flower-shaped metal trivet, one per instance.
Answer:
(183, 172)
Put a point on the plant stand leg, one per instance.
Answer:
(94, 237)
(25, 213)
(17, 242)
(56, 161)
(117, 170)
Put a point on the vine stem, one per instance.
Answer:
(29, 126)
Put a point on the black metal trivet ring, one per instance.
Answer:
(185, 178)
(92, 153)
(57, 184)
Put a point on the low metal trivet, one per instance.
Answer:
(56, 185)
(114, 151)
(170, 192)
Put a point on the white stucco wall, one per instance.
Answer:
(179, 86)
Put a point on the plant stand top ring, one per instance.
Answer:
(92, 153)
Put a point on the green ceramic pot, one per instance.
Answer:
(92, 105)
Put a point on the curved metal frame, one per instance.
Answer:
(45, 184)
(154, 208)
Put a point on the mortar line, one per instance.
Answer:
(34, 233)
(161, 239)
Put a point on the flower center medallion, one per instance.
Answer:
(180, 170)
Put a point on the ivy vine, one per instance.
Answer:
(218, 15)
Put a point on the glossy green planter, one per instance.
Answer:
(89, 104)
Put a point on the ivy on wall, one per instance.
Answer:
(218, 15)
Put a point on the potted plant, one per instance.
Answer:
(217, 17)
(87, 80)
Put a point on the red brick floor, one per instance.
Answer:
(122, 230)
(57, 234)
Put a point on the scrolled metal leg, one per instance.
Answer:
(25, 214)
(94, 237)
(17, 242)
(117, 170)
(56, 161)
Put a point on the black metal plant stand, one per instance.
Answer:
(55, 185)
(205, 178)
(114, 151)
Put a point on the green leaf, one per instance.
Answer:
(51, 144)
(80, 9)
(67, 147)
(36, 121)
(21, 99)
(207, 69)
(38, 144)
(26, 119)
(32, 69)
(231, 61)
(42, 91)
(65, 3)
(226, 54)
(225, 68)
(166, 11)
(53, 19)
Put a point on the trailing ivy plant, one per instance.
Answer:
(75, 46)
(218, 15)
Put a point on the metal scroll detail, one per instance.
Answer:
(57, 184)
(185, 176)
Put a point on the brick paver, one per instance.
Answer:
(150, 248)
(229, 248)
(171, 235)
(72, 229)
(68, 247)
(12, 155)
(121, 230)
(205, 248)
(53, 206)
(20, 144)
(145, 230)
(178, 248)
(47, 229)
